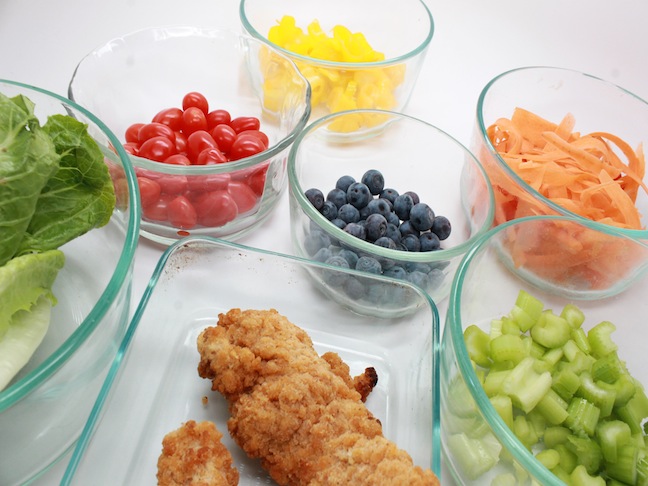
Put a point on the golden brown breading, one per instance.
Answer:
(194, 455)
(291, 408)
(363, 383)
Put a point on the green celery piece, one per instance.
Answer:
(573, 315)
(27, 160)
(635, 410)
(551, 358)
(556, 434)
(587, 452)
(538, 422)
(460, 401)
(612, 434)
(580, 477)
(23, 280)
(524, 431)
(525, 386)
(504, 407)
(568, 459)
(495, 328)
(530, 305)
(624, 469)
(624, 389)
(603, 398)
(600, 339)
(609, 368)
(561, 474)
(579, 336)
(549, 458)
(504, 479)
(642, 467)
(79, 197)
(583, 416)
(565, 383)
(474, 456)
(551, 330)
(494, 381)
(478, 345)
(508, 347)
(553, 408)
(509, 326)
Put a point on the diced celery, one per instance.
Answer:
(474, 456)
(536, 350)
(600, 339)
(612, 434)
(565, 383)
(495, 328)
(504, 479)
(549, 458)
(561, 474)
(601, 397)
(510, 326)
(624, 469)
(538, 422)
(573, 315)
(504, 407)
(478, 345)
(525, 386)
(624, 389)
(524, 431)
(507, 347)
(583, 416)
(635, 410)
(568, 459)
(530, 305)
(580, 477)
(551, 331)
(494, 381)
(553, 408)
(555, 435)
(587, 452)
(460, 401)
(570, 349)
(609, 368)
(579, 336)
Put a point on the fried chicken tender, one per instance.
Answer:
(299, 413)
(194, 455)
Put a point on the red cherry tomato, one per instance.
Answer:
(215, 208)
(211, 156)
(224, 135)
(193, 119)
(259, 134)
(178, 159)
(132, 132)
(243, 196)
(197, 142)
(245, 146)
(154, 129)
(157, 148)
(173, 184)
(149, 190)
(242, 123)
(158, 210)
(181, 142)
(171, 117)
(197, 100)
(256, 180)
(207, 183)
(181, 213)
(132, 148)
(218, 117)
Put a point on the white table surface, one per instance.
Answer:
(41, 41)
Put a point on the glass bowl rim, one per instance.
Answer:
(346, 239)
(249, 28)
(178, 31)
(634, 233)
(30, 382)
(453, 325)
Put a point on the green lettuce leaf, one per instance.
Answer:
(78, 197)
(28, 159)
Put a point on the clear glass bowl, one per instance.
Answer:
(597, 106)
(412, 156)
(130, 79)
(338, 86)
(485, 287)
(43, 410)
(153, 385)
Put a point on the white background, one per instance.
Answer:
(41, 41)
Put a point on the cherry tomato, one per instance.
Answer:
(132, 132)
(197, 100)
(180, 142)
(178, 159)
(193, 119)
(158, 210)
(256, 179)
(242, 123)
(218, 117)
(245, 146)
(197, 142)
(181, 213)
(149, 190)
(258, 134)
(173, 184)
(211, 156)
(149, 174)
(132, 148)
(215, 208)
(154, 129)
(206, 183)
(171, 117)
(157, 148)
(243, 196)
(224, 135)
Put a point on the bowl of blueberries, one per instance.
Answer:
(404, 200)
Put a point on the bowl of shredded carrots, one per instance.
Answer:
(557, 141)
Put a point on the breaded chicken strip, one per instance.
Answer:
(194, 455)
(291, 408)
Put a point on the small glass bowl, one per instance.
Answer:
(130, 79)
(485, 287)
(154, 387)
(42, 411)
(345, 85)
(597, 106)
(412, 155)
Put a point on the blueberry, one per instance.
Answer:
(374, 180)
(350, 256)
(385, 242)
(316, 240)
(340, 223)
(414, 196)
(392, 218)
(411, 242)
(441, 227)
(406, 228)
(322, 255)
(389, 194)
(368, 264)
(379, 206)
(337, 197)
(349, 213)
(376, 226)
(337, 261)
(329, 210)
(357, 230)
(421, 216)
(403, 205)
(358, 194)
(364, 212)
(396, 272)
(429, 241)
(393, 232)
(418, 278)
(316, 198)
(344, 182)
(334, 278)
(354, 288)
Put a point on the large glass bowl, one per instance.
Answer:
(485, 288)
(43, 409)
(153, 386)
(412, 155)
(345, 84)
(131, 78)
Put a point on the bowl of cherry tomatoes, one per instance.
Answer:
(207, 138)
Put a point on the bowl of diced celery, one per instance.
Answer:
(538, 386)
(355, 55)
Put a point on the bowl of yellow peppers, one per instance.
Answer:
(355, 55)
